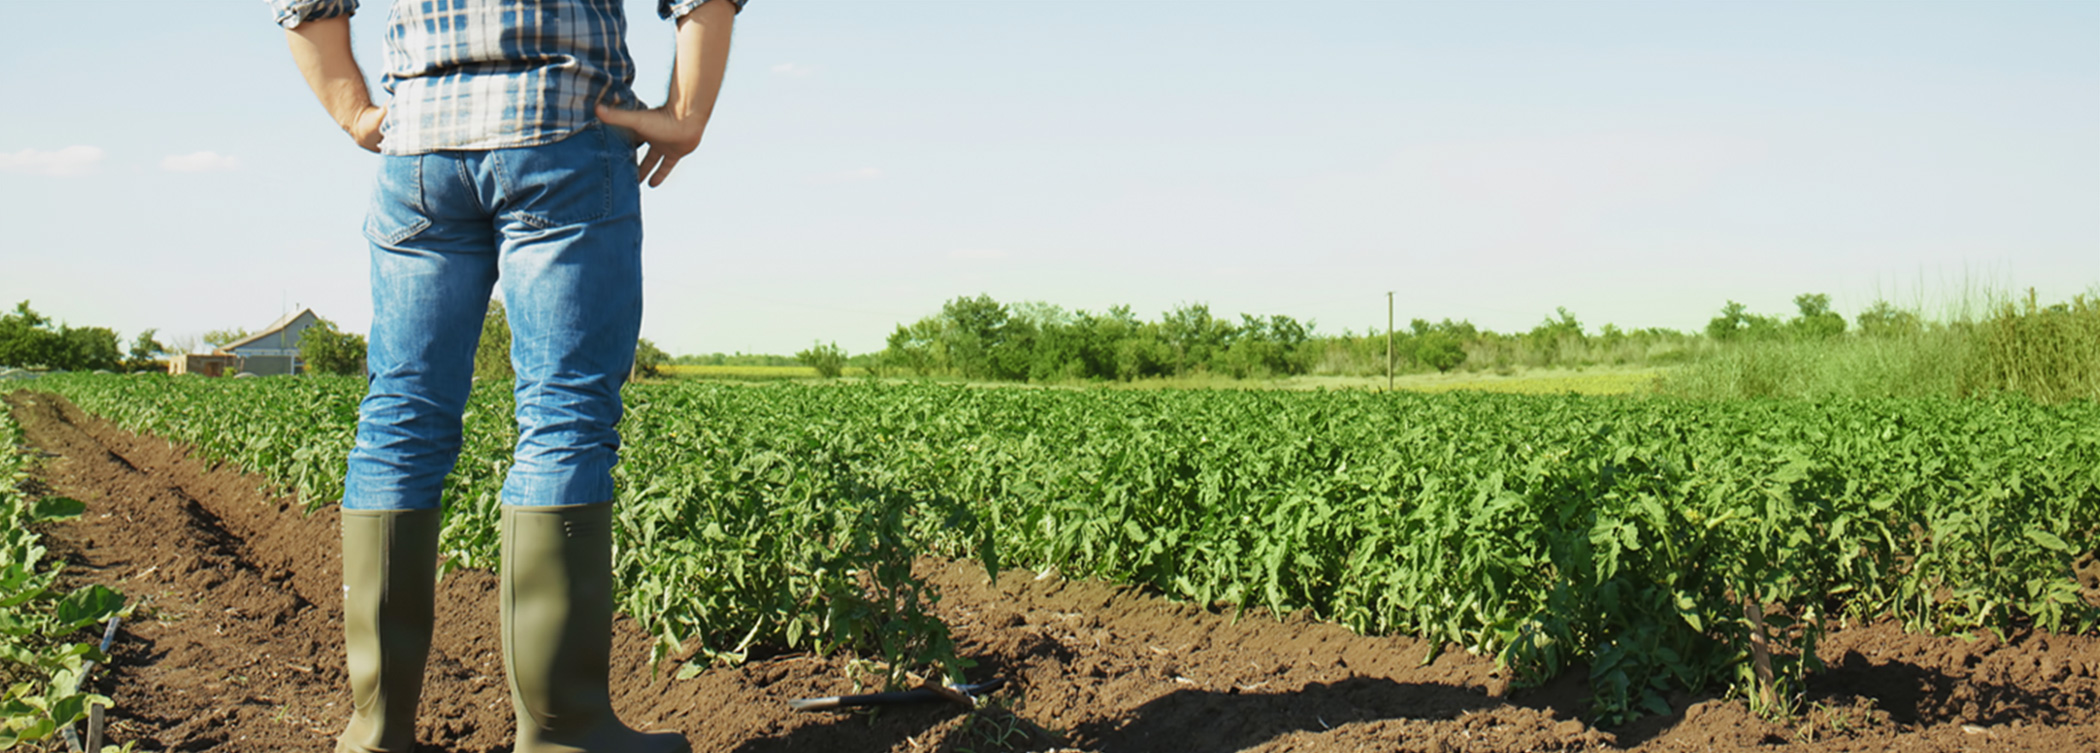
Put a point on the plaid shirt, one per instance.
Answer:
(489, 74)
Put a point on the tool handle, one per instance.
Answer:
(920, 695)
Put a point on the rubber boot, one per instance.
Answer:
(557, 604)
(389, 579)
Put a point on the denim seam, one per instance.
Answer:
(466, 178)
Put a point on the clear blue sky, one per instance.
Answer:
(1636, 162)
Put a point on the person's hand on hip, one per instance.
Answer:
(673, 130)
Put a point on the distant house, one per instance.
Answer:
(274, 350)
(205, 364)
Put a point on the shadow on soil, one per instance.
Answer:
(1181, 720)
(1916, 694)
(1231, 720)
(857, 731)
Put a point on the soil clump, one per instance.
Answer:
(237, 646)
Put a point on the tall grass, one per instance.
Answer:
(1365, 355)
(1926, 362)
(1650, 348)
(2050, 353)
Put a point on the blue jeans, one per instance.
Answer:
(558, 226)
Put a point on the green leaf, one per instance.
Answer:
(2048, 541)
(20, 590)
(1688, 608)
(56, 508)
(88, 605)
(41, 729)
(69, 709)
(1653, 703)
(18, 655)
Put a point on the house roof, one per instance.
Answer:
(274, 328)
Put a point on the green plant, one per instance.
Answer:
(1816, 321)
(145, 353)
(328, 350)
(649, 360)
(1439, 351)
(995, 729)
(828, 359)
(41, 669)
(1737, 323)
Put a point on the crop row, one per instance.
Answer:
(40, 663)
(1649, 539)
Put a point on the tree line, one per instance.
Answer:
(982, 338)
(29, 340)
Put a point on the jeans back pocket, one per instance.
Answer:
(567, 182)
(397, 212)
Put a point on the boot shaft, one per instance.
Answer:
(557, 607)
(557, 603)
(389, 584)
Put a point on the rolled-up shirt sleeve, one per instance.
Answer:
(291, 13)
(678, 8)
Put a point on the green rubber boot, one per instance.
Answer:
(389, 579)
(557, 600)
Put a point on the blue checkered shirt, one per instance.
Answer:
(489, 74)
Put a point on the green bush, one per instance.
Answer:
(1439, 351)
(827, 358)
(649, 360)
(328, 350)
(29, 339)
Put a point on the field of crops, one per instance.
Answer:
(1652, 540)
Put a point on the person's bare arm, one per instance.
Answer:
(322, 50)
(674, 130)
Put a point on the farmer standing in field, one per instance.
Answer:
(509, 159)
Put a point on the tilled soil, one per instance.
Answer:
(238, 647)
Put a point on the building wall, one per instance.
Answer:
(277, 354)
(204, 365)
(267, 365)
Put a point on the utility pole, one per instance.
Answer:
(1389, 341)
